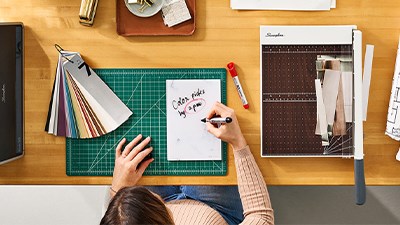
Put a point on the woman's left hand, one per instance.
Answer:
(128, 168)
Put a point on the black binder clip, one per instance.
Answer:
(60, 49)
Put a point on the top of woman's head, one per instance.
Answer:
(136, 205)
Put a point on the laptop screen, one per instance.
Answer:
(11, 91)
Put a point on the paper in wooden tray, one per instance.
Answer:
(131, 25)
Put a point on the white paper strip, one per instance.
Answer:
(369, 55)
(330, 92)
(347, 84)
(321, 114)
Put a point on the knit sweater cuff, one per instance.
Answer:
(242, 153)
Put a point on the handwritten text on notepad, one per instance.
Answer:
(189, 105)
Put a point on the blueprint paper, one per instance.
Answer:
(393, 117)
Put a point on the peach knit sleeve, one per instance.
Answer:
(253, 190)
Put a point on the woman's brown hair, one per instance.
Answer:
(136, 205)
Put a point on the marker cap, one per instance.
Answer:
(232, 69)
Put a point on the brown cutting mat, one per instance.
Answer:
(289, 107)
(131, 25)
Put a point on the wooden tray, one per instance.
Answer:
(131, 25)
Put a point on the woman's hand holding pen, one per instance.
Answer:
(228, 132)
(129, 167)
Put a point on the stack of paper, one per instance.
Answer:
(175, 12)
(304, 5)
(82, 105)
(334, 99)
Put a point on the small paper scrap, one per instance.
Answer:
(175, 12)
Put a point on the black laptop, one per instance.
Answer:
(11, 91)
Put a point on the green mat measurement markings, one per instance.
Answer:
(143, 91)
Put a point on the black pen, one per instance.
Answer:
(217, 120)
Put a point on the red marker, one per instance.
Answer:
(232, 71)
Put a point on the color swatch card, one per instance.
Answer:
(189, 101)
(82, 105)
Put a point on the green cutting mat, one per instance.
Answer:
(143, 91)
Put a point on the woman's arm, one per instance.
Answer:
(252, 188)
(128, 168)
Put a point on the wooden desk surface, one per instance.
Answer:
(222, 35)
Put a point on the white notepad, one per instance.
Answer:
(189, 101)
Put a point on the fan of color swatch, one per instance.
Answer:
(82, 105)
